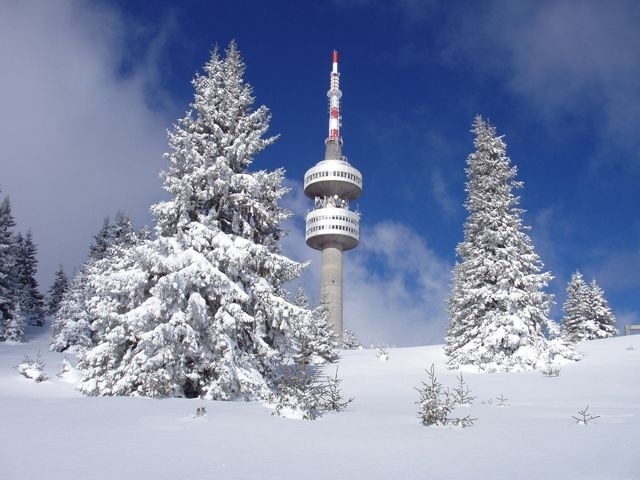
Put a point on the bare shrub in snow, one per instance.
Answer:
(33, 369)
(462, 393)
(584, 417)
(200, 412)
(502, 400)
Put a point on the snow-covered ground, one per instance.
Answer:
(50, 431)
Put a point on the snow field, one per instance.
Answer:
(52, 431)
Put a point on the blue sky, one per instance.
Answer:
(90, 87)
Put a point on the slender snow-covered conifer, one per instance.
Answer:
(71, 329)
(101, 240)
(587, 314)
(57, 290)
(575, 309)
(498, 307)
(73, 325)
(601, 313)
(201, 310)
(28, 293)
(9, 318)
(350, 340)
(315, 340)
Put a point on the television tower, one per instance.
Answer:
(331, 226)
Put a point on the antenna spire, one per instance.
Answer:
(334, 95)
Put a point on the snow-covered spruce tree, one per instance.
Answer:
(73, 324)
(313, 335)
(121, 231)
(350, 340)
(574, 328)
(101, 240)
(587, 314)
(71, 329)
(201, 310)
(29, 296)
(8, 298)
(57, 290)
(600, 313)
(497, 307)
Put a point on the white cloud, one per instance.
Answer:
(78, 141)
(618, 270)
(396, 287)
(566, 58)
(442, 195)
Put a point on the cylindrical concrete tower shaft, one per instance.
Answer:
(331, 226)
(331, 288)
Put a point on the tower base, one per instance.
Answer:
(331, 287)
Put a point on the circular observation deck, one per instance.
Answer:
(332, 225)
(333, 177)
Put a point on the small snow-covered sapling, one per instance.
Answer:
(462, 393)
(65, 367)
(383, 352)
(33, 369)
(550, 370)
(584, 417)
(332, 399)
(437, 403)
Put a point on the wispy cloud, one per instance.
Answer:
(79, 140)
(618, 271)
(396, 287)
(567, 58)
(442, 195)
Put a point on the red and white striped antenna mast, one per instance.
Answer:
(334, 95)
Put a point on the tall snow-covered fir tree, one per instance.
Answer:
(10, 319)
(56, 292)
(71, 328)
(498, 308)
(28, 293)
(575, 309)
(601, 312)
(587, 314)
(201, 310)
